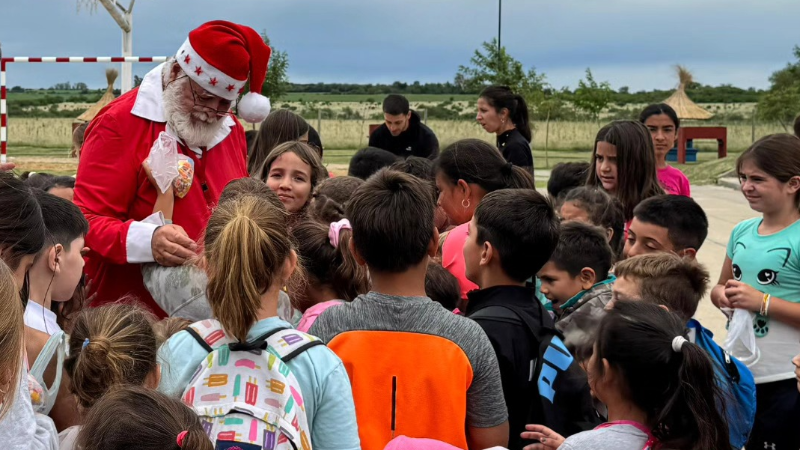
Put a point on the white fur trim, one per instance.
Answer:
(138, 242)
(254, 108)
(207, 76)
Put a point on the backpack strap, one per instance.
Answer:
(289, 343)
(193, 333)
(516, 315)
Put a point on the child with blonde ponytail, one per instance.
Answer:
(249, 257)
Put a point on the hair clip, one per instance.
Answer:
(181, 437)
(85, 343)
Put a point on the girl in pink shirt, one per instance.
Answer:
(624, 165)
(663, 123)
(332, 274)
(466, 171)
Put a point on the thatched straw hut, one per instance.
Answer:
(89, 114)
(681, 103)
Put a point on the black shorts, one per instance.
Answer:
(777, 424)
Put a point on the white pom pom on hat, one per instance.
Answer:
(254, 108)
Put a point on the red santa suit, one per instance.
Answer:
(114, 192)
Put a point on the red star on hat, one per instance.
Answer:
(198, 70)
(230, 87)
(188, 59)
(213, 81)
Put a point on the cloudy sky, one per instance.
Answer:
(631, 43)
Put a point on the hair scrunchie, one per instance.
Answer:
(335, 229)
(677, 343)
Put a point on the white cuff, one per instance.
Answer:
(139, 242)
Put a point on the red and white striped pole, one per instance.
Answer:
(52, 59)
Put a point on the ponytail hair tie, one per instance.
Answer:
(508, 168)
(335, 229)
(677, 343)
(85, 343)
(181, 437)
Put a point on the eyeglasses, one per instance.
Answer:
(202, 107)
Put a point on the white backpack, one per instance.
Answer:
(245, 394)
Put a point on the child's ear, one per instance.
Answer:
(609, 234)
(290, 265)
(794, 184)
(153, 379)
(588, 278)
(487, 254)
(464, 187)
(54, 257)
(433, 245)
(688, 253)
(356, 254)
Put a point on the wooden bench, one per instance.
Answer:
(686, 134)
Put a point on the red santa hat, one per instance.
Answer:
(221, 56)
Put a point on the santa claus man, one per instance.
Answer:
(189, 98)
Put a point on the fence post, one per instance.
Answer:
(319, 122)
(753, 125)
(425, 121)
(547, 140)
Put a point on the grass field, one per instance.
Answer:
(55, 160)
(352, 134)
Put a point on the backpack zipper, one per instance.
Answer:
(394, 405)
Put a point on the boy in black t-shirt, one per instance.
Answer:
(511, 236)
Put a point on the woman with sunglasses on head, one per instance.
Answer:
(183, 105)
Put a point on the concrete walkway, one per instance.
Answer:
(725, 208)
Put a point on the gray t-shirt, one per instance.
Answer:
(615, 437)
(486, 405)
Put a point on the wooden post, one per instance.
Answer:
(547, 140)
(753, 125)
(319, 122)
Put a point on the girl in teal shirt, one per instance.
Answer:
(249, 258)
(761, 274)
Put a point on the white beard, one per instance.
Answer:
(194, 133)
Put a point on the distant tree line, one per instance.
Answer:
(699, 93)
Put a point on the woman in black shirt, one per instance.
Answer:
(504, 113)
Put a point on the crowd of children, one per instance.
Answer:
(415, 303)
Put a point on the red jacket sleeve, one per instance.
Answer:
(106, 186)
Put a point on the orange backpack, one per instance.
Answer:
(406, 384)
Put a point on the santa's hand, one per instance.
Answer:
(172, 246)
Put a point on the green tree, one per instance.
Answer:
(276, 85)
(781, 102)
(780, 105)
(495, 66)
(591, 96)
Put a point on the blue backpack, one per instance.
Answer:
(734, 378)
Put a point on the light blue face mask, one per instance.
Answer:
(56, 346)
